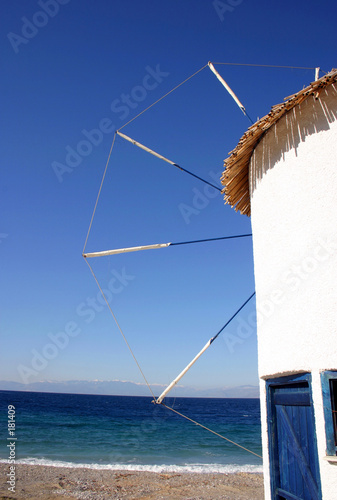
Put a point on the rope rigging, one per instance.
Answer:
(120, 329)
(212, 239)
(262, 65)
(163, 97)
(210, 430)
(164, 245)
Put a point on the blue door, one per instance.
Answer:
(292, 440)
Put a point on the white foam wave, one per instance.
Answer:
(164, 468)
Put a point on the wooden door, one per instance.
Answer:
(292, 440)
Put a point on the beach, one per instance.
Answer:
(46, 482)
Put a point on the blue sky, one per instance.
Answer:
(74, 71)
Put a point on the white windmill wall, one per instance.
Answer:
(293, 186)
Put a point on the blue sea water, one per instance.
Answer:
(131, 433)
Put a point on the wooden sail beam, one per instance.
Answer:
(125, 250)
(181, 374)
(145, 148)
(229, 90)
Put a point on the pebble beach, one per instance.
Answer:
(47, 482)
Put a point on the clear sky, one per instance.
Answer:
(74, 71)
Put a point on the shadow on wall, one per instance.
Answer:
(309, 117)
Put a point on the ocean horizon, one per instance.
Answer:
(132, 433)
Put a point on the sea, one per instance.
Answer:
(130, 433)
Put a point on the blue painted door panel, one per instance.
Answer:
(294, 460)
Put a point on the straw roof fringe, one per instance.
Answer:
(235, 177)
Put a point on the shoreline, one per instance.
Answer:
(160, 469)
(49, 482)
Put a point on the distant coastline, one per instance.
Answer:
(126, 388)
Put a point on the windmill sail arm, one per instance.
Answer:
(125, 250)
(145, 148)
(181, 374)
(227, 87)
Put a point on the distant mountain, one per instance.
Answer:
(242, 391)
(125, 388)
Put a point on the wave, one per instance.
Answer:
(192, 467)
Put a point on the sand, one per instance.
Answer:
(41, 482)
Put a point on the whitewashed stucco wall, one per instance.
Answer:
(293, 185)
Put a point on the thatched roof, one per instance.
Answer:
(235, 177)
